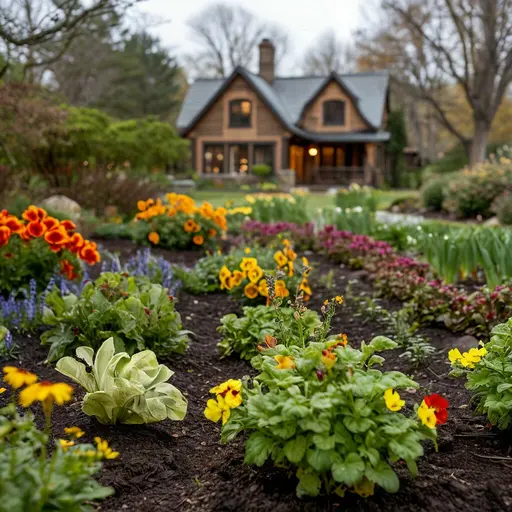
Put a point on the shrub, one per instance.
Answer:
(502, 207)
(452, 161)
(489, 374)
(124, 389)
(279, 207)
(355, 195)
(30, 479)
(261, 170)
(433, 193)
(241, 335)
(204, 276)
(136, 313)
(180, 224)
(36, 245)
(319, 408)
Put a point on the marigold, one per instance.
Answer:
(198, 240)
(90, 254)
(189, 226)
(47, 392)
(104, 449)
(393, 400)
(280, 258)
(285, 362)
(56, 238)
(251, 291)
(51, 223)
(154, 237)
(17, 377)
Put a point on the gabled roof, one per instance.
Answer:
(287, 98)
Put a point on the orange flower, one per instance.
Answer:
(189, 226)
(36, 229)
(56, 238)
(198, 240)
(24, 235)
(5, 234)
(76, 242)
(90, 254)
(31, 214)
(68, 270)
(68, 225)
(212, 233)
(51, 223)
(141, 205)
(154, 237)
(14, 224)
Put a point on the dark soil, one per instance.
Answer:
(182, 466)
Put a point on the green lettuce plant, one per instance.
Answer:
(30, 480)
(488, 371)
(242, 334)
(134, 312)
(124, 389)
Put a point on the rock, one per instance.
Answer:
(492, 222)
(360, 275)
(62, 204)
(465, 343)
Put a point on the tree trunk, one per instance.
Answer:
(479, 143)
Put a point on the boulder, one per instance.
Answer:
(62, 204)
(466, 342)
(492, 222)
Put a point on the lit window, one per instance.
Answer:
(213, 158)
(240, 113)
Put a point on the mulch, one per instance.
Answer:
(183, 466)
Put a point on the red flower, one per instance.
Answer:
(36, 229)
(68, 270)
(76, 243)
(51, 223)
(14, 224)
(5, 234)
(89, 253)
(30, 214)
(439, 404)
(56, 236)
(68, 225)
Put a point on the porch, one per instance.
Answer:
(324, 164)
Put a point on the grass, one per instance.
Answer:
(316, 200)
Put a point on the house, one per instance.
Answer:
(330, 130)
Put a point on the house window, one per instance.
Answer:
(238, 159)
(334, 113)
(240, 113)
(264, 154)
(213, 159)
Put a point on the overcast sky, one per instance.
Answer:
(304, 20)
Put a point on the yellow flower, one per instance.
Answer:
(280, 258)
(305, 261)
(326, 302)
(329, 359)
(141, 205)
(263, 288)
(285, 362)
(251, 291)
(189, 226)
(47, 392)
(255, 274)
(393, 401)
(248, 264)
(217, 409)
(104, 449)
(231, 384)
(290, 269)
(454, 355)
(247, 250)
(290, 254)
(280, 289)
(17, 378)
(74, 432)
(224, 272)
(154, 237)
(427, 415)
(339, 300)
(3, 390)
(467, 359)
(226, 283)
(65, 444)
(286, 242)
(238, 277)
(304, 286)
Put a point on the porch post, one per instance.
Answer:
(285, 154)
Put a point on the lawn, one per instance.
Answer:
(315, 199)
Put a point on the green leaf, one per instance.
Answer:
(383, 475)
(350, 471)
(381, 343)
(309, 485)
(295, 449)
(320, 460)
(324, 442)
(257, 448)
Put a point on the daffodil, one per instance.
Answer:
(104, 449)
(392, 399)
(285, 362)
(427, 415)
(17, 377)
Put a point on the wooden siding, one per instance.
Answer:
(313, 117)
(267, 123)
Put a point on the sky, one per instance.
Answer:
(304, 20)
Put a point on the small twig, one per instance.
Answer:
(474, 435)
(493, 457)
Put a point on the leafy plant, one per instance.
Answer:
(355, 195)
(203, 277)
(318, 407)
(488, 371)
(433, 192)
(124, 389)
(242, 335)
(261, 170)
(278, 207)
(135, 312)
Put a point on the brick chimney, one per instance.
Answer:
(267, 58)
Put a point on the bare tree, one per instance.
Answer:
(328, 54)
(39, 32)
(440, 44)
(228, 36)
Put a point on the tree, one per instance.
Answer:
(228, 36)
(439, 44)
(39, 32)
(328, 54)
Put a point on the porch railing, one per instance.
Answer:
(340, 175)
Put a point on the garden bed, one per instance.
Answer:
(183, 466)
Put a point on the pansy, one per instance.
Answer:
(285, 362)
(393, 400)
